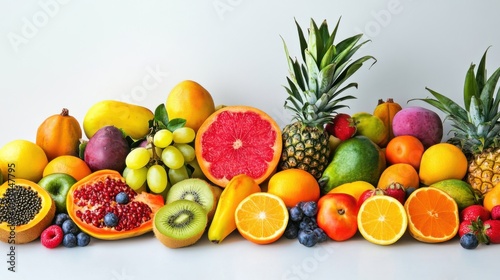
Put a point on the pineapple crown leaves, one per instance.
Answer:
(314, 86)
(476, 125)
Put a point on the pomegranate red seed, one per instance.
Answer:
(98, 199)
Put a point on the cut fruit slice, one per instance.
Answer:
(433, 215)
(180, 223)
(238, 140)
(261, 218)
(382, 220)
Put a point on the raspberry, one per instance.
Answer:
(52, 236)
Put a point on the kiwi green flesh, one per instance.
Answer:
(181, 219)
(194, 189)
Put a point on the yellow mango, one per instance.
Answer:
(132, 119)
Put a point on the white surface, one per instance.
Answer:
(76, 54)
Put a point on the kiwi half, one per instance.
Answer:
(180, 223)
(197, 190)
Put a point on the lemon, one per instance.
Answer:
(440, 162)
(354, 188)
(23, 159)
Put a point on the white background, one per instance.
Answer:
(73, 54)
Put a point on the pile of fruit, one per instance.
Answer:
(190, 168)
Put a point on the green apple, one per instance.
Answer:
(58, 185)
(372, 127)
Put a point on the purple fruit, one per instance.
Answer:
(107, 149)
(424, 124)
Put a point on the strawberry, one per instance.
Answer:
(342, 126)
(491, 228)
(397, 191)
(495, 212)
(472, 212)
(464, 227)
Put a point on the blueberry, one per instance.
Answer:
(69, 240)
(310, 208)
(409, 190)
(307, 237)
(60, 218)
(296, 214)
(69, 226)
(469, 241)
(122, 198)
(320, 233)
(308, 223)
(292, 230)
(110, 219)
(82, 239)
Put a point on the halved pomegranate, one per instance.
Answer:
(91, 198)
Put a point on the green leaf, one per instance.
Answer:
(345, 47)
(176, 123)
(325, 78)
(328, 57)
(476, 118)
(481, 71)
(331, 39)
(470, 87)
(302, 40)
(161, 115)
(488, 90)
(313, 48)
(312, 69)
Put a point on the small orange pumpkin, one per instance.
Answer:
(59, 135)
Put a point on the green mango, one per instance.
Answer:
(355, 159)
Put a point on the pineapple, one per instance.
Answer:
(314, 89)
(476, 125)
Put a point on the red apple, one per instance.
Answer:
(337, 215)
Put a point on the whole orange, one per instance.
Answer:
(404, 149)
(294, 186)
(402, 173)
(190, 101)
(71, 165)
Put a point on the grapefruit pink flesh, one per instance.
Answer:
(238, 140)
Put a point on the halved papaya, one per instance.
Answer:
(26, 209)
(91, 198)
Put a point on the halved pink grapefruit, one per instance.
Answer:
(238, 140)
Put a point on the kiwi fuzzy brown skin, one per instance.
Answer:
(170, 209)
(208, 194)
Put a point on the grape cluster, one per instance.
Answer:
(161, 159)
(302, 224)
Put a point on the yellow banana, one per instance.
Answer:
(223, 222)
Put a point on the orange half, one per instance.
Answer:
(382, 220)
(261, 218)
(433, 215)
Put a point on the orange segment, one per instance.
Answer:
(432, 215)
(382, 220)
(261, 218)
